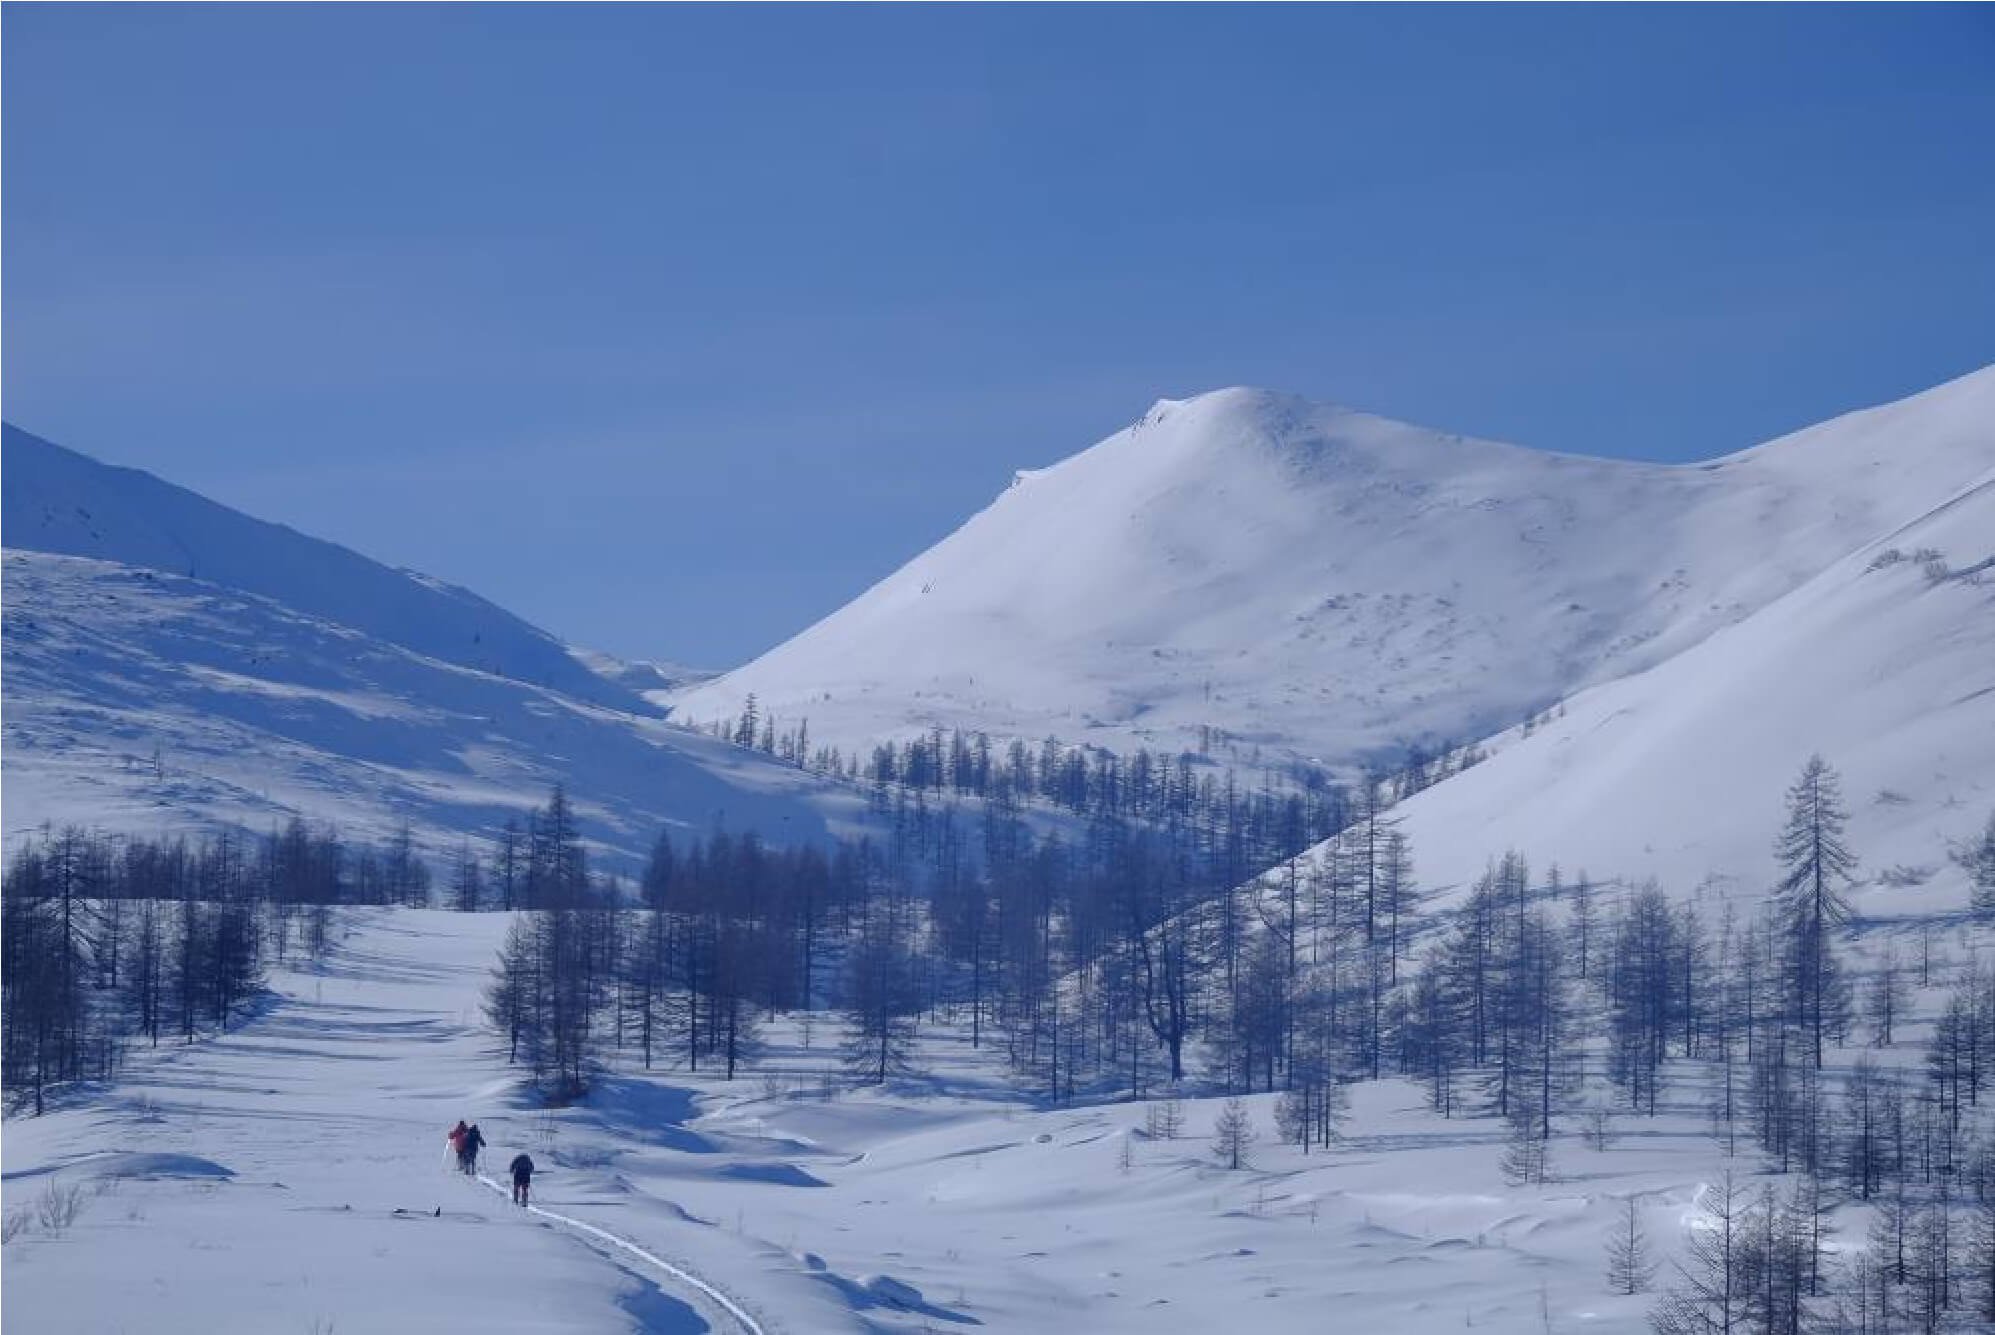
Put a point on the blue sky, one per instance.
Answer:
(673, 328)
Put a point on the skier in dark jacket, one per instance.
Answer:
(468, 1147)
(522, 1177)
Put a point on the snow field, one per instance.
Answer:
(252, 1183)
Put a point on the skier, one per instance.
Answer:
(456, 1140)
(468, 1147)
(522, 1177)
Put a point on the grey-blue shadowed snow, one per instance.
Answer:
(62, 502)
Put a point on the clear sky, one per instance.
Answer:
(673, 328)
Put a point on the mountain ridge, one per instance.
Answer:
(66, 503)
(1331, 584)
(282, 675)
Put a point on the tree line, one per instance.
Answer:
(105, 940)
(1148, 785)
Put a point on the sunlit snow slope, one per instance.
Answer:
(56, 500)
(1884, 663)
(142, 697)
(1334, 584)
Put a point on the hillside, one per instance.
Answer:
(59, 501)
(138, 699)
(173, 664)
(1884, 664)
(1331, 584)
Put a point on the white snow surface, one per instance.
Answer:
(56, 500)
(138, 700)
(1335, 585)
(290, 1176)
(172, 664)
(251, 1183)
(1884, 664)
(650, 678)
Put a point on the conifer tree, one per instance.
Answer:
(1233, 1135)
(1629, 1269)
(1815, 867)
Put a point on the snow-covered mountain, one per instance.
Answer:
(646, 677)
(57, 500)
(171, 663)
(1884, 664)
(1336, 585)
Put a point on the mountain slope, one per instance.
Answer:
(1328, 583)
(1884, 664)
(59, 501)
(138, 699)
(287, 675)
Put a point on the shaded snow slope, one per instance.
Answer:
(56, 500)
(137, 699)
(1334, 584)
(1884, 663)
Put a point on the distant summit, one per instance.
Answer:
(174, 664)
(68, 504)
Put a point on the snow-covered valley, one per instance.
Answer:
(288, 1177)
(951, 1106)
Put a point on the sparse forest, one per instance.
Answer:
(1139, 958)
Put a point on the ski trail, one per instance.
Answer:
(726, 1304)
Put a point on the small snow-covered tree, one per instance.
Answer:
(467, 881)
(1164, 1118)
(1233, 1135)
(1885, 1001)
(1527, 1159)
(1629, 1269)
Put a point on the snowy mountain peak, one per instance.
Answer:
(1330, 583)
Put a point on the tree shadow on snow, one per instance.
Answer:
(653, 1113)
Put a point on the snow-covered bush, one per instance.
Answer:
(59, 1205)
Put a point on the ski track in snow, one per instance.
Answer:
(686, 1277)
